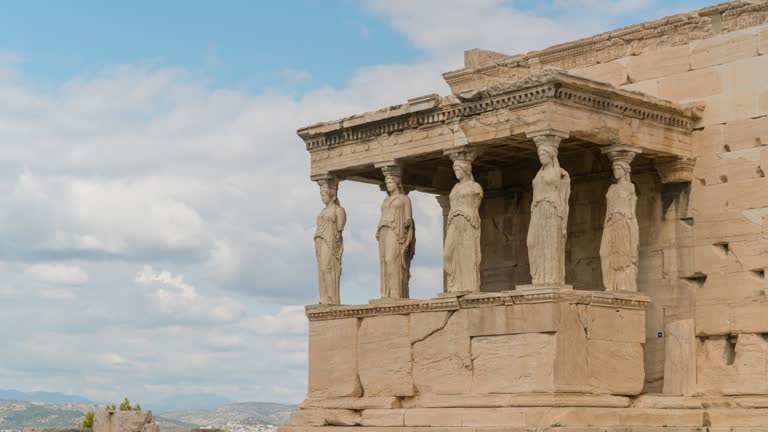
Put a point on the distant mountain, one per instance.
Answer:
(246, 413)
(45, 397)
(189, 402)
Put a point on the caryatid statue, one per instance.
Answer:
(396, 236)
(547, 231)
(621, 238)
(462, 239)
(329, 244)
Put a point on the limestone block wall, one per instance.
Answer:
(719, 246)
(479, 345)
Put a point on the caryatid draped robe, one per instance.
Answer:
(329, 247)
(397, 245)
(547, 232)
(462, 240)
(621, 238)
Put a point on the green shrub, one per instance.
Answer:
(88, 420)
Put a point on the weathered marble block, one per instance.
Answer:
(333, 358)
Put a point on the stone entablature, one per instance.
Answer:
(435, 123)
(483, 70)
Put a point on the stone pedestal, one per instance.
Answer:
(424, 362)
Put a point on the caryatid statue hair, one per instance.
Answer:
(621, 238)
(547, 231)
(329, 244)
(396, 236)
(462, 239)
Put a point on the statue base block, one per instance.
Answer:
(544, 287)
(456, 294)
(389, 301)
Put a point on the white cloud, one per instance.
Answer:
(219, 340)
(612, 7)
(116, 361)
(289, 320)
(181, 300)
(56, 274)
(461, 25)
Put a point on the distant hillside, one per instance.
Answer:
(246, 413)
(18, 415)
(45, 397)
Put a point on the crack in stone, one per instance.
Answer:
(445, 323)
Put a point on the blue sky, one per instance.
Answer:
(156, 214)
(249, 45)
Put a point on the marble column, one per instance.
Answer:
(461, 255)
(445, 205)
(620, 243)
(396, 235)
(329, 243)
(547, 232)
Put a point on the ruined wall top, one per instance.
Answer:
(483, 68)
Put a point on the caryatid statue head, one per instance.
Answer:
(329, 188)
(462, 169)
(621, 159)
(462, 162)
(393, 179)
(547, 148)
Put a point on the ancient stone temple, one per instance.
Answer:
(606, 241)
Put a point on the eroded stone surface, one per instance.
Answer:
(680, 358)
(723, 49)
(384, 356)
(442, 362)
(325, 417)
(333, 358)
(520, 363)
(616, 367)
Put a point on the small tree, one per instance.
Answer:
(88, 420)
(126, 405)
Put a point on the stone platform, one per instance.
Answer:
(533, 412)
